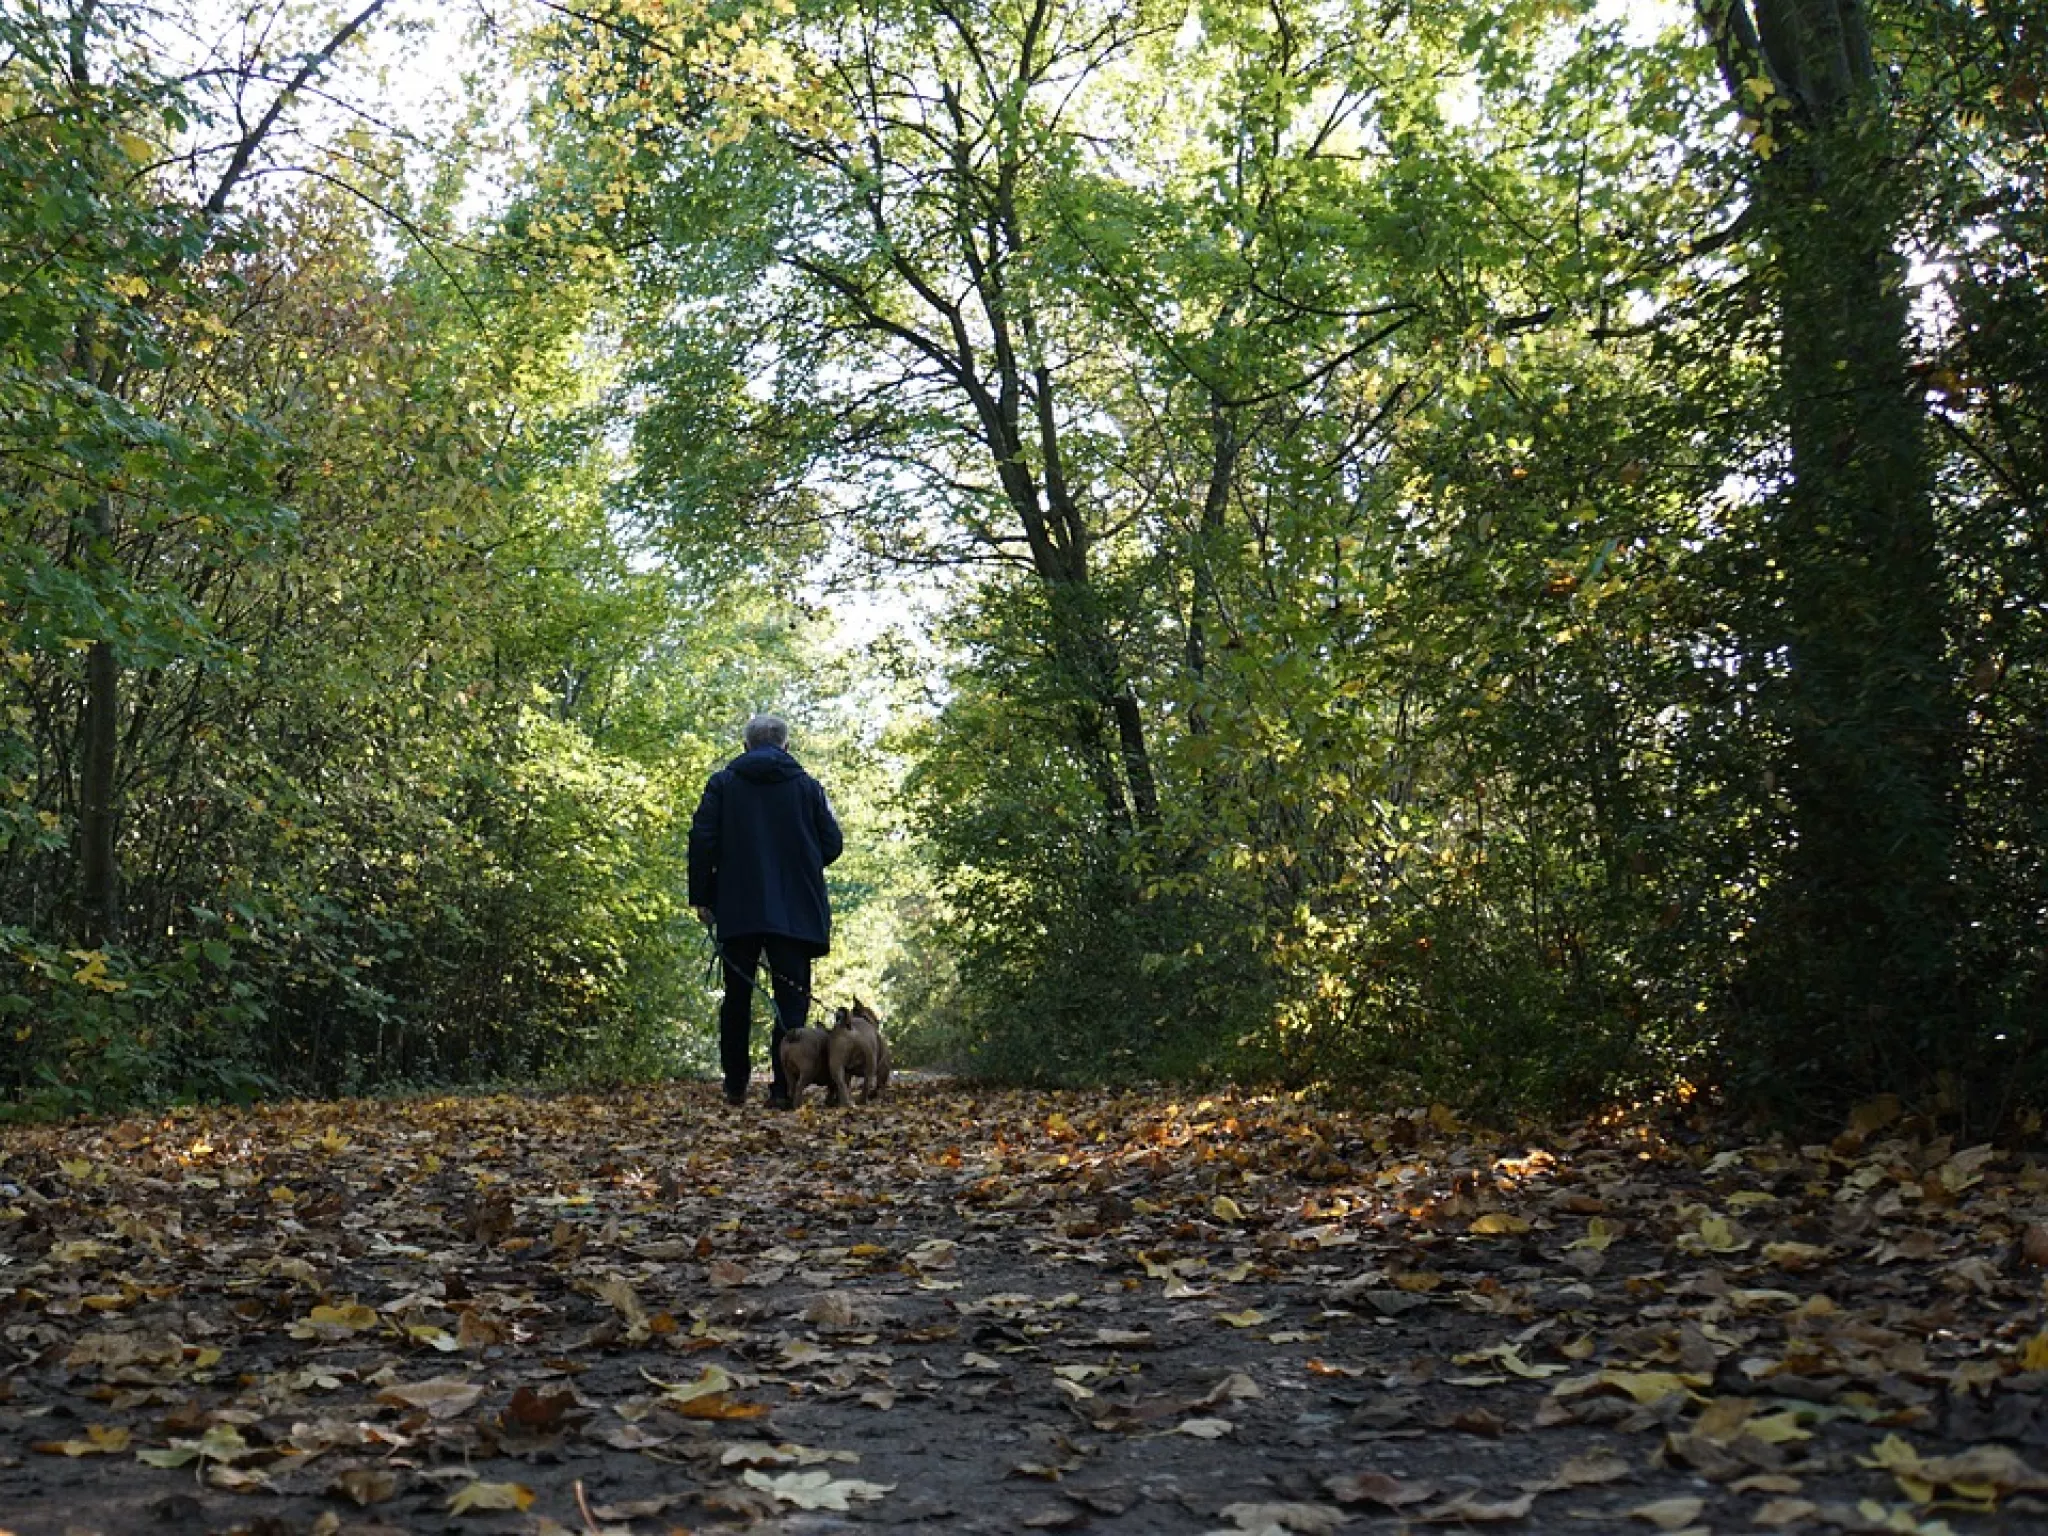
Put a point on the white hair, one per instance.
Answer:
(766, 731)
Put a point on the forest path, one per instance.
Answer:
(973, 1311)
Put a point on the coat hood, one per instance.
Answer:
(766, 765)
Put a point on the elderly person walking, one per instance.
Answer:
(759, 844)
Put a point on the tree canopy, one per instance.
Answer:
(1492, 551)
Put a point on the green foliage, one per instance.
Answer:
(408, 728)
(1470, 561)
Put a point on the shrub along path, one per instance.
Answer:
(965, 1311)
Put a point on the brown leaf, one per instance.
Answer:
(439, 1397)
(1378, 1488)
(1783, 1512)
(364, 1485)
(533, 1410)
(2033, 1246)
(1592, 1468)
(1477, 1509)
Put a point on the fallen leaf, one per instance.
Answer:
(1476, 1509)
(815, 1490)
(1378, 1488)
(472, 1497)
(1590, 1469)
(364, 1485)
(439, 1397)
(1308, 1519)
(1669, 1514)
(1783, 1512)
(100, 1440)
(1501, 1223)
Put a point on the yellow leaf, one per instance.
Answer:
(100, 1440)
(1778, 1428)
(1510, 1361)
(1894, 1453)
(1716, 1234)
(353, 1317)
(1794, 1256)
(1494, 1223)
(1646, 1387)
(1251, 1317)
(490, 1496)
(1984, 1471)
(1600, 1235)
(2035, 1356)
(713, 1380)
(1965, 1169)
(1497, 355)
(1669, 1514)
(1223, 1208)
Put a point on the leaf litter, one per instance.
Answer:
(985, 1311)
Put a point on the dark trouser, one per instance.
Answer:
(789, 969)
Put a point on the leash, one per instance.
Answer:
(718, 967)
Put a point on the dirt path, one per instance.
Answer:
(994, 1313)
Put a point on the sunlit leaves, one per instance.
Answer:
(968, 1253)
(483, 1497)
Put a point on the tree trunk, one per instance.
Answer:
(1863, 979)
(102, 361)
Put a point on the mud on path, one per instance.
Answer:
(995, 1312)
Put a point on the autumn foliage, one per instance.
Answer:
(1009, 1311)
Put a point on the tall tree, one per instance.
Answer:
(911, 182)
(1860, 961)
(81, 56)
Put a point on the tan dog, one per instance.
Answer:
(806, 1059)
(856, 1049)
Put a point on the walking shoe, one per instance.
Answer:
(779, 1101)
(735, 1097)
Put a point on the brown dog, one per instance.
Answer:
(806, 1059)
(856, 1048)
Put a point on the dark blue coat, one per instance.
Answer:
(759, 844)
